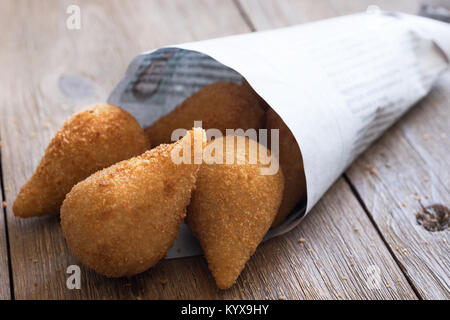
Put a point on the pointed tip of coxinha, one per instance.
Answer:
(232, 208)
(92, 139)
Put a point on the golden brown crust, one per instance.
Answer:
(89, 141)
(221, 105)
(231, 210)
(123, 219)
(291, 163)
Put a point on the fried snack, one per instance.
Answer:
(291, 163)
(221, 105)
(123, 219)
(89, 141)
(232, 208)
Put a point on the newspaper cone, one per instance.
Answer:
(338, 84)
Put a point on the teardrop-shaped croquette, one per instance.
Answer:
(89, 141)
(291, 163)
(221, 105)
(123, 219)
(233, 206)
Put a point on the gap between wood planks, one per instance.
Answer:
(419, 155)
(244, 15)
(380, 234)
(252, 27)
(8, 251)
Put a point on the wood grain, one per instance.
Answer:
(411, 160)
(335, 262)
(350, 7)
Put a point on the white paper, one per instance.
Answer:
(338, 84)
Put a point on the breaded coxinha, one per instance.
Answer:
(91, 140)
(291, 163)
(123, 219)
(232, 207)
(221, 105)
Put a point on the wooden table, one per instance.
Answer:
(362, 238)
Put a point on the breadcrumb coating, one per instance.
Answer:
(231, 210)
(89, 141)
(123, 219)
(291, 163)
(221, 105)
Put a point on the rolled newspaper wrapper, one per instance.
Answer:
(338, 84)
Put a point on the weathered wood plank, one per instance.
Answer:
(427, 129)
(269, 14)
(415, 151)
(349, 7)
(411, 161)
(337, 260)
(5, 288)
